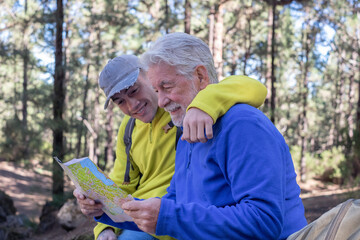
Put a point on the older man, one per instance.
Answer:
(152, 155)
(239, 185)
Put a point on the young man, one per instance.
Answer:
(152, 154)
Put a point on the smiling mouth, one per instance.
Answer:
(173, 111)
(140, 110)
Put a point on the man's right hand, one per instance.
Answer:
(107, 234)
(197, 126)
(87, 205)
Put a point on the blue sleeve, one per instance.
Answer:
(250, 158)
(122, 225)
(170, 191)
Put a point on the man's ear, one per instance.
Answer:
(202, 77)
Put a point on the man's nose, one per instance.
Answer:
(163, 100)
(132, 103)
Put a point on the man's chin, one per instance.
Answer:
(177, 121)
(144, 118)
(149, 117)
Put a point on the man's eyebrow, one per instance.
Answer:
(133, 86)
(164, 82)
(126, 90)
(114, 98)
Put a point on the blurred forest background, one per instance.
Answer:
(307, 53)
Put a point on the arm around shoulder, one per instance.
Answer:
(217, 99)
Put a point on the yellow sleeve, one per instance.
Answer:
(217, 99)
(118, 172)
(101, 227)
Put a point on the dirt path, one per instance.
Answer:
(29, 189)
(318, 203)
(318, 197)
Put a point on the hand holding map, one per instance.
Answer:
(88, 206)
(96, 185)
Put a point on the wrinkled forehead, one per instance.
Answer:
(161, 72)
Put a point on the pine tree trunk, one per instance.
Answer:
(109, 153)
(356, 58)
(349, 116)
(58, 104)
(25, 84)
(83, 112)
(334, 125)
(351, 97)
(96, 127)
(187, 20)
(357, 136)
(166, 17)
(248, 40)
(304, 94)
(67, 114)
(268, 54)
(25, 137)
(211, 28)
(358, 108)
(218, 40)
(270, 75)
(216, 29)
(340, 111)
(97, 101)
(273, 79)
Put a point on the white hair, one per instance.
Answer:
(183, 51)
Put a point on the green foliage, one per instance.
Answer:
(329, 165)
(296, 154)
(11, 147)
(30, 223)
(333, 159)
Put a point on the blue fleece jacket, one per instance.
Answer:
(239, 185)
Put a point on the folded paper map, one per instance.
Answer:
(94, 184)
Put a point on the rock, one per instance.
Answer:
(7, 204)
(3, 233)
(47, 218)
(2, 215)
(17, 220)
(70, 215)
(14, 228)
(19, 233)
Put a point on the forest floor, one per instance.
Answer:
(30, 189)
